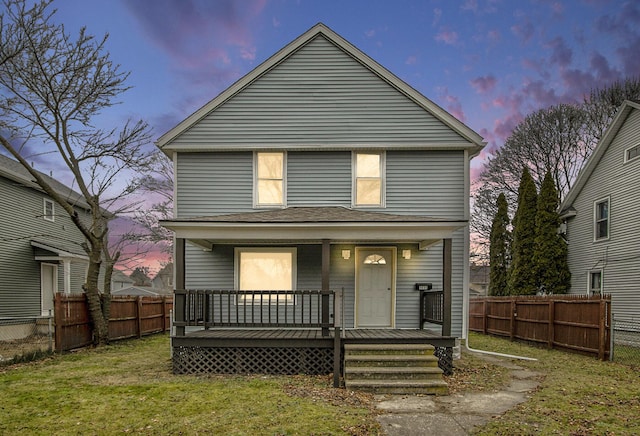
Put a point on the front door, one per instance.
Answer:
(375, 293)
(48, 286)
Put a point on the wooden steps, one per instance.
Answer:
(393, 369)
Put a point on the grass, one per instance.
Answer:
(578, 395)
(129, 388)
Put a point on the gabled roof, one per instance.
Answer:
(320, 29)
(621, 116)
(13, 170)
(119, 276)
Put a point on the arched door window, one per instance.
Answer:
(375, 259)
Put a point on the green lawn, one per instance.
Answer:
(578, 395)
(129, 388)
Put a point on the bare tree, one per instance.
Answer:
(156, 184)
(52, 87)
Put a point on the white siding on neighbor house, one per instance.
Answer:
(619, 256)
(429, 183)
(318, 95)
(19, 272)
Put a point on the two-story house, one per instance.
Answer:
(601, 216)
(40, 252)
(319, 170)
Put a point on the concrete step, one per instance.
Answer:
(409, 360)
(427, 387)
(392, 373)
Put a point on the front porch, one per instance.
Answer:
(280, 332)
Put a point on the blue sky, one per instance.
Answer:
(488, 62)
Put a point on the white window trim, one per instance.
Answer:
(51, 218)
(257, 205)
(626, 153)
(383, 180)
(590, 272)
(595, 217)
(294, 266)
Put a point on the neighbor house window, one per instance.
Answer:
(49, 210)
(595, 282)
(632, 153)
(269, 179)
(601, 219)
(266, 269)
(368, 180)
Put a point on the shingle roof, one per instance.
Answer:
(14, 170)
(313, 215)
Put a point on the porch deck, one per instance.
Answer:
(307, 337)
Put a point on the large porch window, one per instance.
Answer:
(266, 269)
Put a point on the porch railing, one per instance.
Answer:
(275, 309)
(431, 307)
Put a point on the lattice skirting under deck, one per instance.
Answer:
(257, 360)
(445, 359)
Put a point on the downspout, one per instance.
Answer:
(493, 353)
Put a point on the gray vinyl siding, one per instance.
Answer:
(318, 95)
(20, 293)
(319, 178)
(214, 183)
(619, 256)
(215, 270)
(429, 183)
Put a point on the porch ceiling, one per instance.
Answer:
(312, 225)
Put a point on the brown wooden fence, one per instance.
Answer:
(130, 317)
(570, 322)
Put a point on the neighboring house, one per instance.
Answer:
(601, 213)
(120, 280)
(322, 170)
(135, 291)
(40, 252)
(163, 281)
(478, 280)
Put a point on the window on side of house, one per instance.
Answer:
(269, 179)
(601, 220)
(632, 153)
(595, 282)
(49, 210)
(267, 269)
(368, 179)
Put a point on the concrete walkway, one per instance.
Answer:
(454, 414)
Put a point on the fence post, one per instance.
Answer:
(164, 313)
(512, 324)
(57, 313)
(485, 310)
(602, 329)
(139, 315)
(552, 322)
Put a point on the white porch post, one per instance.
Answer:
(66, 267)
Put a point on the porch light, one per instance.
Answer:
(346, 254)
(406, 254)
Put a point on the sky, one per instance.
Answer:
(487, 62)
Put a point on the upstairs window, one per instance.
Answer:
(601, 219)
(49, 210)
(632, 153)
(368, 183)
(269, 179)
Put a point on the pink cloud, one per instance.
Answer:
(411, 60)
(447, 36)
(437, 15)
(560, 54)
(484, 84)
(523, 31)
(494, 35)
(370, 33)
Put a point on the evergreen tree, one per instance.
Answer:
(499, 249)
(550, 253)
(522, 277)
